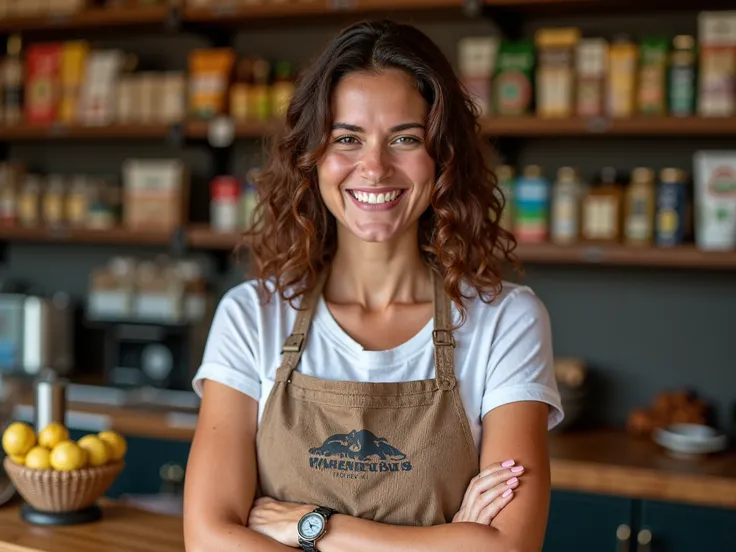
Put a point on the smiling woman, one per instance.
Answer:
(376, 384)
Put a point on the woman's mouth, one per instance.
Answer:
(372, 201)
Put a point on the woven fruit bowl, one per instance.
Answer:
(62, 491)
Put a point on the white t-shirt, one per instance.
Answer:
(503, 351)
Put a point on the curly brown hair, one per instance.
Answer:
(294, 236)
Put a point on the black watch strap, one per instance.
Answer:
(326, 512)
(309, 546)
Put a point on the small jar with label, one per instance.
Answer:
(565, 225)
(8, 198)
(602, 208)
(224, 192)
(673, 212)
(640, 207)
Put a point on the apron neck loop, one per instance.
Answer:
(442, 338)
(294, 344)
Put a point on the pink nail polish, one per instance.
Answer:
(507, 493)
(517, 469)
(512, 480)
(507, 464)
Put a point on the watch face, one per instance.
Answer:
(311, 526)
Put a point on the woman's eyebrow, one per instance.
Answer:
(397, 128)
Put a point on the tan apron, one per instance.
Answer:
(399, 453)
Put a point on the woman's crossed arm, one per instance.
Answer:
(220, 513)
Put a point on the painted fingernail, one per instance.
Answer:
(507, 493)
(507, 464)
(512, 480)
(517, 469)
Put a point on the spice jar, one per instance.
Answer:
(29, 201)
(640, 197)
(53, 201)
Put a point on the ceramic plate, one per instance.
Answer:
(690, 439)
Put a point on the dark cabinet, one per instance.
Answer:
(684, 528)
(587, 522)
(143, 463)
(583, 522)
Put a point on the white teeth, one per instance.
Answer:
(364, 197)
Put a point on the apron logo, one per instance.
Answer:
(359, 452)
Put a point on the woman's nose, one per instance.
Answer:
(374, 164)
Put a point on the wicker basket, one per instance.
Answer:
(62, 491)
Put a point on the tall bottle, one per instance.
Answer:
(565, 224)
(531, 213)
(640, 208)
(682, 76)
(12, 81)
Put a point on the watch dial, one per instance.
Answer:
(311, 526)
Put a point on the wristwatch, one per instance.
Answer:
(313, 526)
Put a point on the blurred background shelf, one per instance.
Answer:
(92, 18)
(113, 236)
(686, 256)
(74, 132)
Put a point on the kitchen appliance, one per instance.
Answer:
(36, 332)
(163, 356)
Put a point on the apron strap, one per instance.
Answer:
(444, 342)
(294, 344)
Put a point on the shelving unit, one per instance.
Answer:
(92, 18)
(496, 127)
(116, 236)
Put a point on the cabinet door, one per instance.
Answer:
(684, 528)
(588, 522)
(143, 462)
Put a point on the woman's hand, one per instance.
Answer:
(278, 520)
(489, 492)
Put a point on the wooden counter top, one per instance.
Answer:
(611, 462)
(122, 529)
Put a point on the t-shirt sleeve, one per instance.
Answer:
(521, 366)
(230, 354)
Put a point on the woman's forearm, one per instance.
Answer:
(349, 534)
(232, 537)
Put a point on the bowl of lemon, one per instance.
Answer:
(60, 479)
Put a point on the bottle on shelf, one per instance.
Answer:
(640, 208)
(12, 82)
(682, 77)
(621, 94)
(673, 220)
(531, 212)
(282, 89)
(565, 219)
(602, 209)
(242, 90)
(505, 176)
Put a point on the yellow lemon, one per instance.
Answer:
(52, 435)
(18, 438)
(68, 456)
(98, 451)
(19, 459)
(38, 458)
(116, 443)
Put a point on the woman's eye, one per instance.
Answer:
(347, 140)
(407, 140)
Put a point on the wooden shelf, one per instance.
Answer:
(119, 236)
(203, 237)
(251, 129)
(686, 256)
(87, 19)
(228, 14)
(611, 462)
(75, 132)
(636, 126)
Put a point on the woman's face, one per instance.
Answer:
(376, 176)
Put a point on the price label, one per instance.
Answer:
(59, 20)
(593, 254)
(598, 125)
(224, 10)
(343, 5)
(58, 129)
